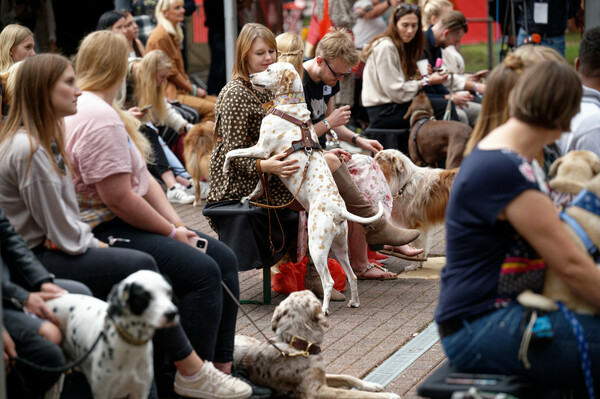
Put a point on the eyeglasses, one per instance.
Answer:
(337, 75)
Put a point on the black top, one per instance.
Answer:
(317, 97)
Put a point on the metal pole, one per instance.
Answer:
(230, 8)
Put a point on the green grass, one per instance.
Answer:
(476, 55)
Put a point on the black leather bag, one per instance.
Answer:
(245, 229)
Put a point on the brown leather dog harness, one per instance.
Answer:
(420, 123)
(306, 142)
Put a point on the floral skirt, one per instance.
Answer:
(370, 180)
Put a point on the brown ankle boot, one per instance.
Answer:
(378, 233)
(312, 282)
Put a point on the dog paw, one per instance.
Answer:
(371, 387)
(393, 396)
(353, 304)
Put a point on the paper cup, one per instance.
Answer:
(422, 65)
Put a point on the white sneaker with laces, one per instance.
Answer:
(212, 384)
(179, 195)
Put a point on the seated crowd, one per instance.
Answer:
(82, 158)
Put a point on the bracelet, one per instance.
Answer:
(179, 224)
(354, 138)
(172, 234)
(475, 89)
(327, 125)
(195, 89)
(425, 81)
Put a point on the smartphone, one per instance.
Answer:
(199, 243)
(146, 107)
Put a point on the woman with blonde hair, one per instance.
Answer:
(168, 36)
(290, 48)
(494, 107)
(16, 44)
(146, 81)
(119, 198)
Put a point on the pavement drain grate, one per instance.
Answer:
(404, 357)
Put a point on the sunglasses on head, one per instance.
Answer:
(406, 7)
(335, 74)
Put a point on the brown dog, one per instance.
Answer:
(573, 170)
(431, 140)
(299, 326)
(420, 194)
(197, 149)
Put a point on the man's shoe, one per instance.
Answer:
(212, 384)
(258, 391)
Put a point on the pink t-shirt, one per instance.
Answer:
(98, 146)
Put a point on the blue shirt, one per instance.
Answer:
(477, 243)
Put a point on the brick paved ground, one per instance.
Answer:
(359, 339)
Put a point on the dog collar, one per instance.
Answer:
(399, 193)
(589, 245)
(420, 115)
(124, 335)
(588, 201)
(307, 347)
(289, 98)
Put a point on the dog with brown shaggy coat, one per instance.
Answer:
(197, 149)
(299, 318)
(431, 140)
(420, 195)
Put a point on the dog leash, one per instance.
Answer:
(310, 349)
(60, 369)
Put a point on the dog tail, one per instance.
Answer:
(358, 219)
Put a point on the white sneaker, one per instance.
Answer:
(178, 194)
(212, 384)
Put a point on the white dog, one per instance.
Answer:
(299, 327)
(121, 364)
(318, 194)
(420, 194)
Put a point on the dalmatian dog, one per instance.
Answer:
(317, 192)
(121, 364)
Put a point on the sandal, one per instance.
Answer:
(361, 275)
(402, 256)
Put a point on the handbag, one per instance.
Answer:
(257, 239)
(188, 113)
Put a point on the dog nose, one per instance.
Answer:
(171, 315)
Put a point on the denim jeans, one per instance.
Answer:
(555, 42)
(208, 314)
(490, 344)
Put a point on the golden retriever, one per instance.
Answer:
(420, 194)
(299, 319)
(197, 149)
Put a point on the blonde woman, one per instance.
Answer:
(168, 36)
(16, 44)
(118, 197)
(146, 81)
(290, 48)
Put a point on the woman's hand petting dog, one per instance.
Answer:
(36, 304)
(461, 98)
(276, 166)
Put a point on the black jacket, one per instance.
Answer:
(18, 263)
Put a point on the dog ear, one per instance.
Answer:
(554, 167)
(139, 299)
(287, 81)
(319, 316)
(115, 305)
(277, 314)
(595, 165)
(409, 111)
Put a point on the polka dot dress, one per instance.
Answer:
(239, 115)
